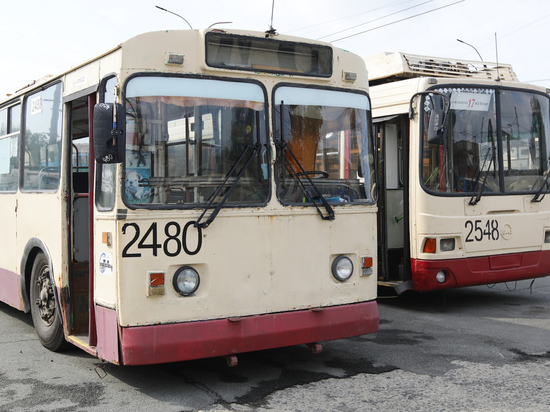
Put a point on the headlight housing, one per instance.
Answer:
(342, 268)
(447, 245)
(186, 280)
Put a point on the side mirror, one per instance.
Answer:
(108, 133)
(438, 118)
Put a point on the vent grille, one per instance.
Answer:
(440, 67)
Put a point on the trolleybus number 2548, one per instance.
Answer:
(477, 230)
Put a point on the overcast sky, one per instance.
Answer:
(48, 37)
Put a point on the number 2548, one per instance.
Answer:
(479, 230)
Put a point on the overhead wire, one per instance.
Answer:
(342, 19)
(515, 31)
(378, 18)
(394, 22)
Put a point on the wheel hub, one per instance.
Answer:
(46, 301)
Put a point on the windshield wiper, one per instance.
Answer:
(475, 198)
(296, 176)
(283, 147)
(538, 197)
(255, 148)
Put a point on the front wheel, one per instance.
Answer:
(46, 316)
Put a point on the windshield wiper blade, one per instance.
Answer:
(475, 198)
(255, 148)
(537, 198)
(490, 150)
(296, 176)
(283, 146)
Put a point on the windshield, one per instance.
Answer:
(185, 136)
(324, 146)
(494, 142)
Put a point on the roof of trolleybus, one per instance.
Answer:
(386, 67)
(395, 77)
(128, 56)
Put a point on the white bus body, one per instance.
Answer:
(464, 150)
(233, 171)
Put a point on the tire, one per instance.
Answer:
(46, 315)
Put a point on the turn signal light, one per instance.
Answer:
(155, 281)
(430, 245)
(366, 270)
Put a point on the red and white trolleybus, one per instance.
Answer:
(464, 164)
(192, 194)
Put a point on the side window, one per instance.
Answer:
(42, 139)
(106, 173)
(108, 90)
(9, 148)
(3, 122)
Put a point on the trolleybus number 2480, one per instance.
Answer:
(176, 239)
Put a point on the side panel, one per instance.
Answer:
(10, 289)
(106, 260)
(107, 334)
(40, 216)
(9, 271)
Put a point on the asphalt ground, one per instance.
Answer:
(471, 349)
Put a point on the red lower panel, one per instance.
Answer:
(10, 289)
(194, 340)
(107, 334)
(479, 271)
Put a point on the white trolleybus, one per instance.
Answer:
(464, 161)
(192, 194)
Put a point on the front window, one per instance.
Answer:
(525, 134)
(324, 146)
(193, 142)
(492, 142)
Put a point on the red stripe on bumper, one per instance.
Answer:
(480, 271)
(195, 340)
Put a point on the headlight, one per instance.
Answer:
(186, 280)
(447, 245)
(342, 268)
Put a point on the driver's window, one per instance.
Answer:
(42, 139)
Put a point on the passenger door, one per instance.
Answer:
(393, 199)
(81, 207)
